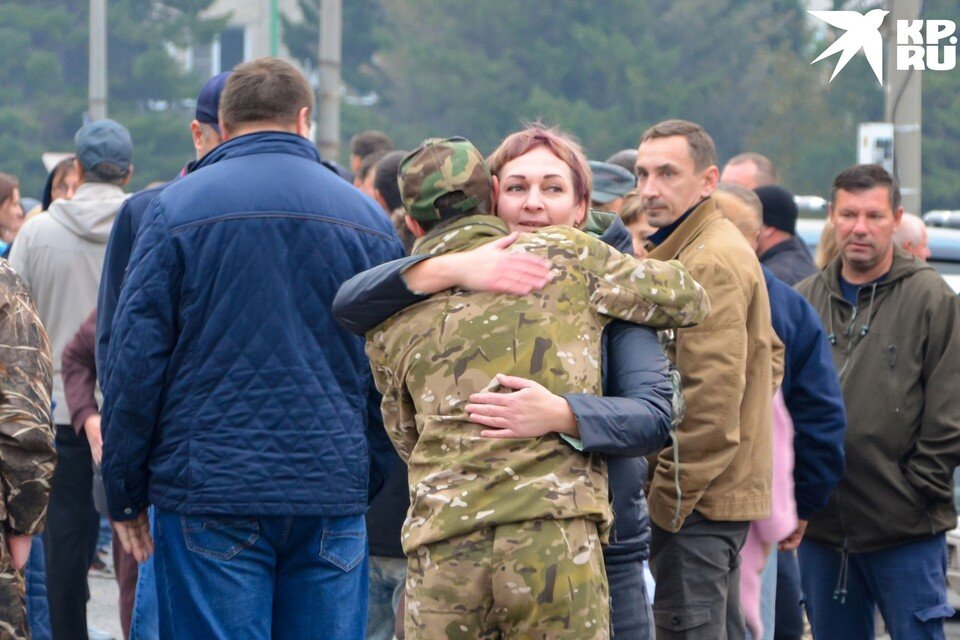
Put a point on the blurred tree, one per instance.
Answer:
(43, 81)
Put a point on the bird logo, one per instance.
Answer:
(862, 32)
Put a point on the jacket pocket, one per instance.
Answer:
(344, 542)
(219, 537)
(681, 619)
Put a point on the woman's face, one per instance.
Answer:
(11, 214)
(66, 185)
(536, 190)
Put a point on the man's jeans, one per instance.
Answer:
(907, 582)
(630, 614)
(387, 577)
(144, 624)
(280, 577)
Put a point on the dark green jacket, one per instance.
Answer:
(898, 356)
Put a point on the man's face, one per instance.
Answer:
(536, 190)
(864, 224)
(744, 174)
(667, 180)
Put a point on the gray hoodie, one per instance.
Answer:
(59, 253)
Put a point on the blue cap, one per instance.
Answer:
(610, 182)
(104, 141)
(208, 102)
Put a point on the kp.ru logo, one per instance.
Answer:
(921, 44)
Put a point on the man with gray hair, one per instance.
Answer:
(60, 257)
(751, 170)
(911, 236)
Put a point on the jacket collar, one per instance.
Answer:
(464, 233)
(260, 142)
(790, 245)
(609, 228)
(702, 216)
(904, 264)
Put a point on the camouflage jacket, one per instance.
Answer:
(27, 454)
(429, 358)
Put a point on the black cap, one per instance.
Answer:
(779, 208)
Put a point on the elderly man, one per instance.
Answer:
(911, 236)
(894, 327)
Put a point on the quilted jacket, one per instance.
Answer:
(229, 388)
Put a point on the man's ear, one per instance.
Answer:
(79, 169)
(711, 178)
(196, 132)
(129, 175)
(303, 122)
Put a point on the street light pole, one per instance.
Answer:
(328, 107)
(903, 107)
(97, 98)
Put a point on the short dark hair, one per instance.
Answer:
(766, 171)
(369, 163)
(702, 149)
(7, 184)
(106, 172)
(369, 141)
(264, 90)
(385, 180)
(448, 200)
(861, 177)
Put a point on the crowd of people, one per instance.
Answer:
(447, 394)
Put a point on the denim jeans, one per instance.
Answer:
(38, 610)
(630, 614)
(283, 577)
(387, 577)
(144, 624)
(907, 582)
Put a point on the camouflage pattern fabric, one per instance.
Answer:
(542, 579)
(440, 166)
(27, 454)
(429, 358)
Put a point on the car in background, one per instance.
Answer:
(942, 218)
(944, 247)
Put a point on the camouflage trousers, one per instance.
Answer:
(13, 598)
(542, 579)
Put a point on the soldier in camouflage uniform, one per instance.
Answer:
(504, 535)
(27, 454)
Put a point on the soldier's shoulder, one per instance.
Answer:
(11, 284)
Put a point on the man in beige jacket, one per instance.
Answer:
(716, 477)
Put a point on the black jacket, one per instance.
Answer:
(790, 261)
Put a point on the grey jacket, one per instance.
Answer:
(59, 254)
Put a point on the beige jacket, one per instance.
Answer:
(729, 365)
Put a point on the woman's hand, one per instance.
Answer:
(530, 411)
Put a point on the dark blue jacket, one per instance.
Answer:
(115, 261)
(630, 421)
(811, 391)
(229, 387)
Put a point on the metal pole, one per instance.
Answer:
(903, 109)
(328, 105)
(97, 98)
(274, 28)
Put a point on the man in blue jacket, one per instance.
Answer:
(234, 403)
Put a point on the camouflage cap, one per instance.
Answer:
(440, 166)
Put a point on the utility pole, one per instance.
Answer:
(903, 109)
(97, 98)
(328, 105)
